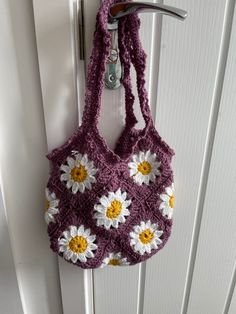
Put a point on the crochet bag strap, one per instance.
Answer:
(130, 51)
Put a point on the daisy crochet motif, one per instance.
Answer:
(145, 237)
(144, 167)
(112, 209)
(167, 205)
(77, 244)
(115, 259)
(51, 207)
(78, 173)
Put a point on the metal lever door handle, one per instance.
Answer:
(114, 68)
(121, 9)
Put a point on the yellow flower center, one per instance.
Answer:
(78, 244)
(146, 236)
(79, 173)
(172, 201)
(144, 167)
(114, 262)
(47, 205)
(114, 210)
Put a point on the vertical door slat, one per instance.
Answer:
(55, 33)
(23, 165)
(216, 252)
(230, 304)
(188, 64)
(8, 280)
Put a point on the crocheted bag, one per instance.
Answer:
(108, 207)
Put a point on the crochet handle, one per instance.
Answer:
(130, 51)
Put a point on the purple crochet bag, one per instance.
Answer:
(108, 207)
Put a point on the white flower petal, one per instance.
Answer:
(84, 160)
(87, 233)
(142, 250)
(66, 234)
(62, 248)
(71, 162)
(65, 168)
(74, 257)
(115, 223)
(143, 225)
(104, 201)
(156, 171)
(73, 231)
(127, 203)
(163, 205)
(117, 255)
(121, 219)
(148, 155)
(81, 187)
(92, 172)
(107, 224)
(87, 184)
(100, 209)
(93, 246)
(47, 218)
(68, 254)
(133, 235)
(169, 191)
(92, 179)
(133, 242)
(141, 156)
(89, 254)
(98, 215)
(99, 222)
(158, 241)
(82, 258)
(146, 179)
(81, 230)
(123, 195)
(118, 193)
(154, 245)
(63, 241)
(125, 212)
(133, 172)
(153, 226)
(54, 203)
(91, 238)
(137, 229)
(148, 248)
(152, 177)
(53, 211)
(65, 177)
(75, 187)
(47, 194)
(78, 157)
(69, 184)
(164, 197)
(132, 165)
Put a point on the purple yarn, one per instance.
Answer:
(113, 172)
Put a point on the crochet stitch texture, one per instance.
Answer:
(111, 207)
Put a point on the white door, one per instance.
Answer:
(190, 77)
